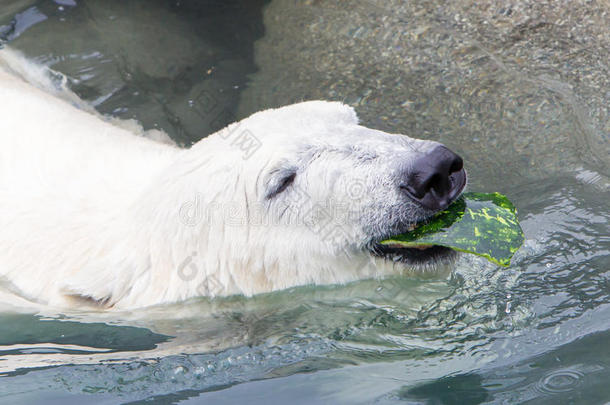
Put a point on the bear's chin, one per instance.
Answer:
(425, 255)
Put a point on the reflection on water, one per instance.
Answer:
(510, 102)
(178, 66)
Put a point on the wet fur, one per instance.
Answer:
(93, 212)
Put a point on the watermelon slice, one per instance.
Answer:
(482, 224)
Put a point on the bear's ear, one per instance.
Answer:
(279, 180)
(330, 111)
(346, 113)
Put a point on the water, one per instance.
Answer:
(203, 51)
(524, 100)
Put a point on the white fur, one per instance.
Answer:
(89, 210)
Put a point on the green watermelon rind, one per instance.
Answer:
(461, 228)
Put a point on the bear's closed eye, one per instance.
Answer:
(281, 185)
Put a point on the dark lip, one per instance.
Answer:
(413, 256)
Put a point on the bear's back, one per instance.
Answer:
(48, 145)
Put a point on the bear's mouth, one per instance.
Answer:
(423, 254)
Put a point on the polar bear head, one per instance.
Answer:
(292, 196)
(299, 195)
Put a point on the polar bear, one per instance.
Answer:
(93, 214)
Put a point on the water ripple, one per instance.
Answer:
(560, 381)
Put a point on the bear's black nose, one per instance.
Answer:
(436, 178)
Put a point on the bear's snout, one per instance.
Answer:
(435, 179)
